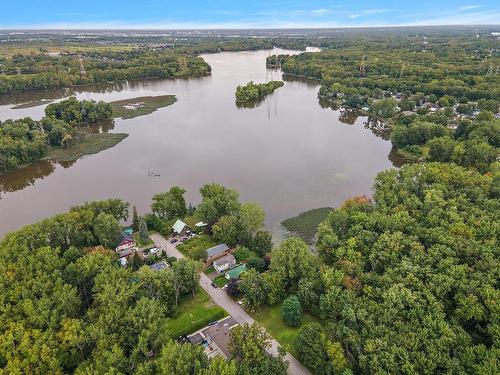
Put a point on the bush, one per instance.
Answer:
(292, 311)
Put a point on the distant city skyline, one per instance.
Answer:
(223, 14)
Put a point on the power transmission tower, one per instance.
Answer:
(362, 69)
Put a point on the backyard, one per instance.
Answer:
(194, 248)
(270, 318)
(195, 313)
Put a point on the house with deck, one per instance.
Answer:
(217, 252)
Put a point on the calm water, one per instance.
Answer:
(289, 153)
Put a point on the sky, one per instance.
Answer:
(209, 14)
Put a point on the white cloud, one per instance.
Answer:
(320, 11)
(469, 7)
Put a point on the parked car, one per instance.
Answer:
(241, 301)
(214, 285)
(173, 240)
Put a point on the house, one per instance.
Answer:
(236, 272)
(224, 263)
(180, 227)
(126, 244)
(215, 337)
(159, 266)
(217, 252)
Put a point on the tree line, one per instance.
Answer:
(27, 72)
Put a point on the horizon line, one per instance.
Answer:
(38, 28)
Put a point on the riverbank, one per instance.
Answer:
(89, 144)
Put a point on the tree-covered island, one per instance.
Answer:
(253, 92)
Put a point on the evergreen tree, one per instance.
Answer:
(135, 220)
(143, 230)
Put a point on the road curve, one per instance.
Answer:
(223, 300)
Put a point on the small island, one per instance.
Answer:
(144, 105)
(253, 92)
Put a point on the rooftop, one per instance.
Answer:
(219, 333)
(236, 271)
(225, 259)
(179, 226)
(159, 266)
(217, 250)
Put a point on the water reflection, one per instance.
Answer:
(27, 176)
(287, 153)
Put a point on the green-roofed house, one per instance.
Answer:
(236, 272)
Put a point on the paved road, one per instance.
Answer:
(222, 299)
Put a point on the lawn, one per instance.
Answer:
(194, 247)
(195, 313)
(305, 225)
(140, 243)
(270, 317)
(209, 270)
(144, 105)
(220, 281)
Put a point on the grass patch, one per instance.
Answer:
(140, 243)
(209, 270)
(305, 225)
(220, 281)
(194, 247)
(195, 313)
(270, 318)
(191, 220)
(144, 105)
(88, 144)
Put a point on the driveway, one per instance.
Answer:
(223, 300)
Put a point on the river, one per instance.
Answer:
(288, 153)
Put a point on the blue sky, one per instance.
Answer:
(168, 14)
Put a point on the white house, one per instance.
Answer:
(224, 263)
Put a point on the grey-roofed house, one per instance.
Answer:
(217, 252)
(224, 263)
(220, 335)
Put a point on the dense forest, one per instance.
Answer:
(252, 92)
(25, 140)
